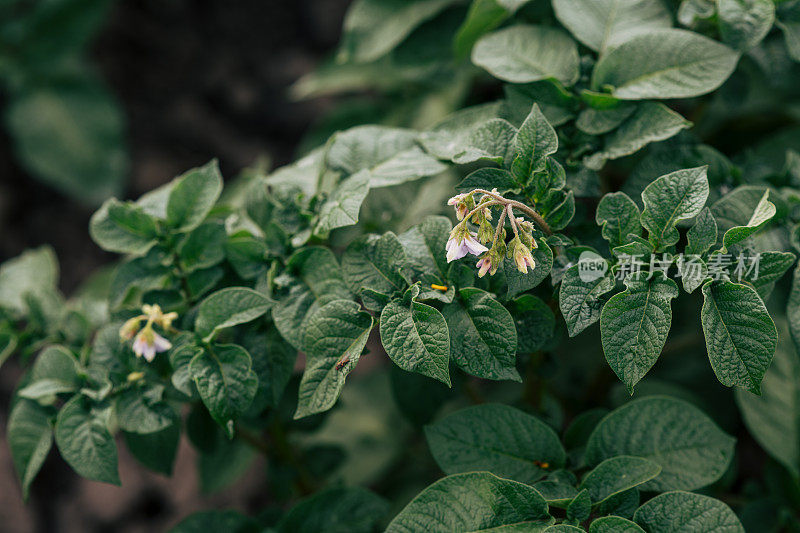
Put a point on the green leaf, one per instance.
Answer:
(496, 438)
(740, 335)
(614, 524)
(365, 147)
(416, 338)
(518, 282)
(491, 141)
(193, 196)
(204, 247)
(334, 338)
(483, 339)
(489, 178)
(405, 166)
(580, 508)
(336, 510)
(226, 382)
(634, 325)
(616, 475)
(557, 493)
(703, 234)
(671, 198)
(483, 16)
(664, 63)
(744, 23)
(229, 521)
(273, 362)
(678, 511)
(524, 53)
(651, 122)
(449, 134)
(319, 281)
(557, 208)
(740, 205)
(762, 214)
(123, 228)
(767, 268)
(374, 27)
(476, 501)
(138, 274)
(180, 357)
(535, 140)
(247, 255)
(599, 121)
(71, 136)
(156, 451)
(692, 451)
(374, 262)
(623, 504)
(618, 215)
(580, 301)
(534, 321)
(85, 443)
(424, 245)
(32, 272)
(138, 411)
(601, 24)
(229, 307)
(773, 419)
(791, 37)
(343, 206)
(55, 371)
(30, 437)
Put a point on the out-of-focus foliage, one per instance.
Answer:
(625, 173)
(67, 128)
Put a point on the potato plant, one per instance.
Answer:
(553, 269)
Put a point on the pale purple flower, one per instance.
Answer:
(484, 264)
(523, 259)
(457, 198)
(459, 201)
(467, 244)
(148, 343)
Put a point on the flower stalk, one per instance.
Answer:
(463, 240)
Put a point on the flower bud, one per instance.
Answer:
(485, 232)
(129, 328)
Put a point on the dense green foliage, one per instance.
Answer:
(626, 174)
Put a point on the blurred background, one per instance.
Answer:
(105, 98)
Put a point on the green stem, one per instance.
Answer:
(522, 207)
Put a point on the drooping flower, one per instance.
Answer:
(484, 265)
(463, 242)
(485, 232)
(523, 258)
(130, 327)
(155, 315)
(148, 343)
(521, 254)
(456, 199)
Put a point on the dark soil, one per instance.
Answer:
(197, 79)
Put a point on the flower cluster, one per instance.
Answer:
(464, 240)
(147, 342)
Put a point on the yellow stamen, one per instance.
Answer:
(439, 287)
(135, 376)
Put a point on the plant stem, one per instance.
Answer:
(511, 219)
(522, 207)
(499, 229)
(482, 206)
